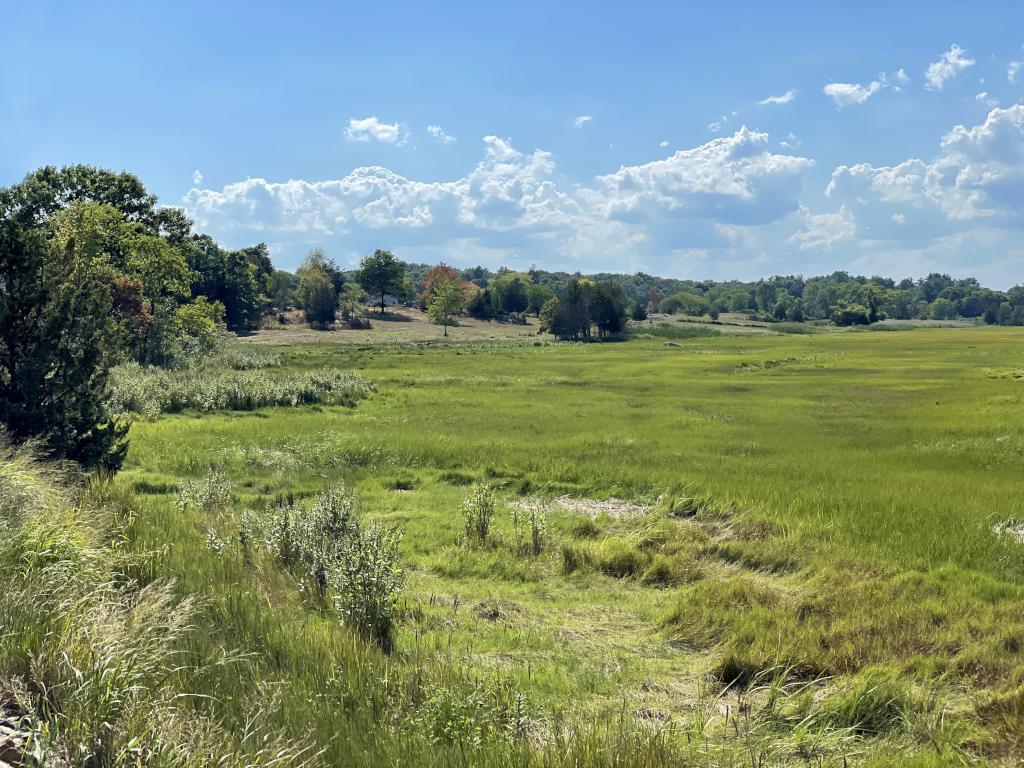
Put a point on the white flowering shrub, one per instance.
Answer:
(530, 523)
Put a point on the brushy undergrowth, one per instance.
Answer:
(149, 391)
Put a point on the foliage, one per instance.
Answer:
(684, 303)
(213, 492)
(317, 296)
(532, 516)
(350, 299)
(438, 275)
(382, 274)
(537, 296)
(357, 563)
(57, 333)
(446, 301)
(237, 279)
(95, 666)
(509, 293)
(583, 307)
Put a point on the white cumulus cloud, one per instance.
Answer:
(197, 177)
(582, 120)
(784, 98)
(953, 61)
(1012, 70)
(438, 133)
(372, 129)
(511, 206)
(847, 94)
(732, 180)
(977, 176)
(822, 231)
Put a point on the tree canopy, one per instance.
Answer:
(382, 274)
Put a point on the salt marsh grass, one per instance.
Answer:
(808, 571)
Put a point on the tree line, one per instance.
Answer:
(839, 297)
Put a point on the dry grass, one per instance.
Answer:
(397, 326)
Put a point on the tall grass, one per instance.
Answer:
(150, 391)
(94, 664)
(675, 332)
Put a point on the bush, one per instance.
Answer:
(214, 491)
(853, 315)
(477, 511)
(357, 565)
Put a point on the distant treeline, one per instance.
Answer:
(840, 297)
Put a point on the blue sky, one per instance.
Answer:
(693, 140)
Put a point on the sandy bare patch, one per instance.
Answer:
(619, 508)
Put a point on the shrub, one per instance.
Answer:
(367, 580)
(241, 358)
(477, 511)
(357, 565)
(213, 491)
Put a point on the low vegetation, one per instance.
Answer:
(150, 391)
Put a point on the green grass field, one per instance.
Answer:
(799, 561)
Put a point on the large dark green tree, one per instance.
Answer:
(317, 293)
(382, 274)
(57, 331)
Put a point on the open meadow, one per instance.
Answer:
(734, 549)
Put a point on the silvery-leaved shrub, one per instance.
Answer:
(356, 565)
(477, 511)
(212, 492)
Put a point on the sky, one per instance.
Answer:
(692, 140)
